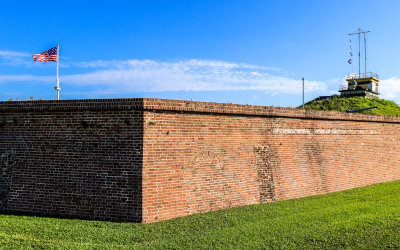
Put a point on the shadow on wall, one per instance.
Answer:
(80, 160)
(7, 160)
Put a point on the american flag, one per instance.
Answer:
(50, 55)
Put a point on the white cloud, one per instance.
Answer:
(132, 76)
(151, 63)
(7, 53)
(189, 75)
(14, 58)
(24, 78)
(390, 88)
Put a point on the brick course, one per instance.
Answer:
(147, 160)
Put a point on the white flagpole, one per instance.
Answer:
(57, 79)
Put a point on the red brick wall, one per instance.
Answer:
(195, 163)
(78, 158)
(149, 159)
(206, 156)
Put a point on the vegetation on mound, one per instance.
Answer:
(338, 103)
(365, 217)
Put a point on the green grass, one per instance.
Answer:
(338, 103)
(367, 217)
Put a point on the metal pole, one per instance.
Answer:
(57, 79)
(359, 49)
(365, 47)
(359, 53)
(303, 92)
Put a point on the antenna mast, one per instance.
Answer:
(358, 33)
(364, 83)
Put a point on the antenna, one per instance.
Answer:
(358, 33)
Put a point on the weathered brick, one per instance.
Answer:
(148, 160)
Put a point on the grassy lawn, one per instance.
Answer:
(367, 217)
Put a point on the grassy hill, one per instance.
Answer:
(365, 217)
(338, 103)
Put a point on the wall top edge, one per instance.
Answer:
(153, 104)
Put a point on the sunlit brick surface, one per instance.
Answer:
(149, 160)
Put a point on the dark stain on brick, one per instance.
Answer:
(315, 164)
(265, 177)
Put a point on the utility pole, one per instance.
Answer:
(359, 54)
(303, 92)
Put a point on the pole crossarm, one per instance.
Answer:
(360, 31)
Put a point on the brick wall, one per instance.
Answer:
(72, 158)
(206, 156)
(150, 159)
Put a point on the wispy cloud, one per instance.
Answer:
(13, 58)
(189, 75)
(8, 54)
(151, 63)
(25, 78)
(132, 76)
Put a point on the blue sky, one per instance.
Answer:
(245, 52)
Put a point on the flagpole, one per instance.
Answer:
(58, 79)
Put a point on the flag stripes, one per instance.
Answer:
(49, 55)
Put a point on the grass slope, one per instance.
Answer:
(365, 217)
(338, 103)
